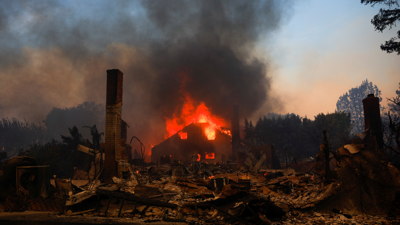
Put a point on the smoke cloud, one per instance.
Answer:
(56, 53)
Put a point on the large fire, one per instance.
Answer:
(192, 114)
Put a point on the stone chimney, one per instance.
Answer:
(235, 131)
(113, 149)
(372, 118)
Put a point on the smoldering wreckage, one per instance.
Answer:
(197, 180)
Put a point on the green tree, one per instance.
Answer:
(386, 18)
(351, 102)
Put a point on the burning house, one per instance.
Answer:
(194, 143)
(205, 140)
(204, 137)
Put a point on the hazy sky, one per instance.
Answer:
(327, 48)
(269, 56)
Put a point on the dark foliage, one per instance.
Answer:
(351, 102)
(338, 126)
(386, 18)
(60, 155)
(295, 137)
(52, 144)
(391, 129)
(85, 114)
(16, 135)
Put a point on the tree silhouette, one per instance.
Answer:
(351, 102)
(60, 155)
(295, 137)
(249, 136)
(58, 120)
(391, 126)
(74, 138)
(386, 18)
(15, 134)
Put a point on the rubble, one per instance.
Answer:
(228, 196)
(358, 186)
(8, 174)
(369, 182)
(259, 156)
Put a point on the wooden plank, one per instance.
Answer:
(132, 197)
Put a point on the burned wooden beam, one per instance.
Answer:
(132, 197)
(326, 151)
(228, 214)
(219, 201)
(163, 195)
(120, 207)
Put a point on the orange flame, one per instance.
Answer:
(198, 157)
(210, 155)
(192, 114)
(183, 135)
(228, 132)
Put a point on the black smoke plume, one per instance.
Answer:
(56, 53)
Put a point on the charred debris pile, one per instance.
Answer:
(353, 184)
(361, 188)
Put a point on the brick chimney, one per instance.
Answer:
(235, 131)
(372, 118)
(113, 149)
